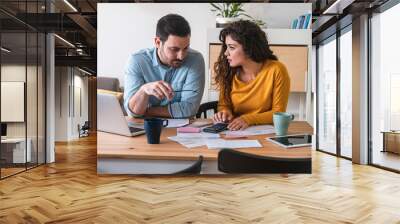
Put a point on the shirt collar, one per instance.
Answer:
(156, 61)
(155, 58)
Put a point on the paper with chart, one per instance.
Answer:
(234, 144)
(191, 140)
(253, 130)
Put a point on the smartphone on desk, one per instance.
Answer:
(216, 128)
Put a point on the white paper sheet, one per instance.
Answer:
(188, 142)
(234, 144)
(198, 135)
(253, 130)
(176, 123)
(191, 140)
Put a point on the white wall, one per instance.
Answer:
(134, 26)
(62, 81)
(66, 121)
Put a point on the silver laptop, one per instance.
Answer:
(110, 117)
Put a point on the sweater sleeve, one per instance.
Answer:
(222, 104)
(280, 97)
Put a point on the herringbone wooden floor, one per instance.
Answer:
(70, 191)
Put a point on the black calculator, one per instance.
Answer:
(216, 128)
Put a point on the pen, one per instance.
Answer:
(184, 90)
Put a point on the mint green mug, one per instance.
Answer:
(281, 122)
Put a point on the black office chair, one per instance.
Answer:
(84, 130)
(195, 168)
(204, 107)
(232, 161)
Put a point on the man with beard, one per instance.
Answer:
(168, 79)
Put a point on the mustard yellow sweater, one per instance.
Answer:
(257, 100)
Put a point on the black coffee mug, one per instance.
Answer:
(153, 127)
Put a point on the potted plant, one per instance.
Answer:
(228, 12)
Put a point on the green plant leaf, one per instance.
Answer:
(226, 13)
(215, 6)
(229, 10)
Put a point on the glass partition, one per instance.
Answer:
(13, 92)
(346, 93)
(22, 77)
(385, 89)
(327, 96)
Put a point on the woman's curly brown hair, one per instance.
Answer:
(255, 45)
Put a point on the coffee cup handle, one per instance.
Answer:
(292, 117)
(166, 123)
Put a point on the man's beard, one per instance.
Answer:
(176, 63)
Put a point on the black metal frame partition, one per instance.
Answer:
(382, 8)
(339, 32)
(44, 106)
(389, 4)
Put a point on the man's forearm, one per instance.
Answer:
(138, 105)
(138, 102)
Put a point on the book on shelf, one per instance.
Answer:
(294, 24)
(302, 22)
(307, 23)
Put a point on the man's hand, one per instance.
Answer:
(222, 117)
(159, 89)
(238, 124)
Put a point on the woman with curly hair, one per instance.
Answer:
(253, 84)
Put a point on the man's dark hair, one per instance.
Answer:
(172, 24)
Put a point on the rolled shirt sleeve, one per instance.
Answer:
(133, 81)
(190, 100)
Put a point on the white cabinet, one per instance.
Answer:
(16, 149)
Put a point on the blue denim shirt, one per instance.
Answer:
(144, 67)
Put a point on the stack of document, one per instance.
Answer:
(253, 130)
(176, 123)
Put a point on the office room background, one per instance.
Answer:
(136, 30)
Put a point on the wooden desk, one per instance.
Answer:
(132, 155)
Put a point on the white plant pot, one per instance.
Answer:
(223, 21)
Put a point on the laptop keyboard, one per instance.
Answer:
(133, 129)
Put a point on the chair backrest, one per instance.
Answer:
(86, 125)
(232, 161)
(195, 168)
(108, 83)
(204, 107)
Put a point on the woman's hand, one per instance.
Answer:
(222, 117)
(238, 124)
